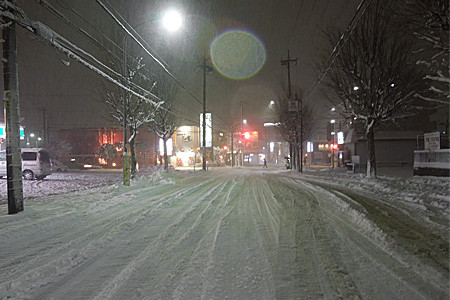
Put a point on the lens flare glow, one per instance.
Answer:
(237, 54)
(172, 20)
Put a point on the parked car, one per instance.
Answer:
(58, 166)
(36, 163)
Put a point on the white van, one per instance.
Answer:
(36, 163)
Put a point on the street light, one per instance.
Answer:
(172, 22)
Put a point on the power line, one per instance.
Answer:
(338, 46)
(66, 20)
(143, 44)
(71, 50)
(61, 16)
(77, 53)
(53, 10)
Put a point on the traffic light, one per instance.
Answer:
(225, 147)
(335, 146)
(246, 135)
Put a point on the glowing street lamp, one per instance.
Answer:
(172, 21)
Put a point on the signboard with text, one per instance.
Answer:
(208, 136)
(3, 132)
(432, 141)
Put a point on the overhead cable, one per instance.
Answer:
(337, 48)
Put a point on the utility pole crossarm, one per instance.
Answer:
(287, 62)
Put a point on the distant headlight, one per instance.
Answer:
(87, 166)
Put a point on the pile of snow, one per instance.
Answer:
(154, 169)
(62, 183)
(157, 174)
(423, 198)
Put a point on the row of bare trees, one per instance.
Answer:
(141, 113)
(379, 70)
(148, 79)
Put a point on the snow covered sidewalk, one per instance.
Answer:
(61, 183)
(227, 233)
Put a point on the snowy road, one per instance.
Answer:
(224, 234)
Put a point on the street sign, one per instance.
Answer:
(432, 141)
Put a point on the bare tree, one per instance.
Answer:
(125, 58)
(165, 121)
(295, 125)
(429, 22)
(372, 77)
(139, 111)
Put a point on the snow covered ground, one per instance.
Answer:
(60, 183)
(243, 233)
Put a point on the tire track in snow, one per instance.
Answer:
(407, 282)
(297, 275)
(187, 268)
(242, 262)
(133, 235)
(63, 258)
(160, 243)
(412, 271)
(237, 234)
(330, 272)
(100, 225)
(196, 270)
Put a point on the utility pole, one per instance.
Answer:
(293, 107)
(232, 147)
(11, 100)
(332, 152)
(301, 134)
(242, 130)
(206, 69)
(45, 126)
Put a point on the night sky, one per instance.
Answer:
(73, 95)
